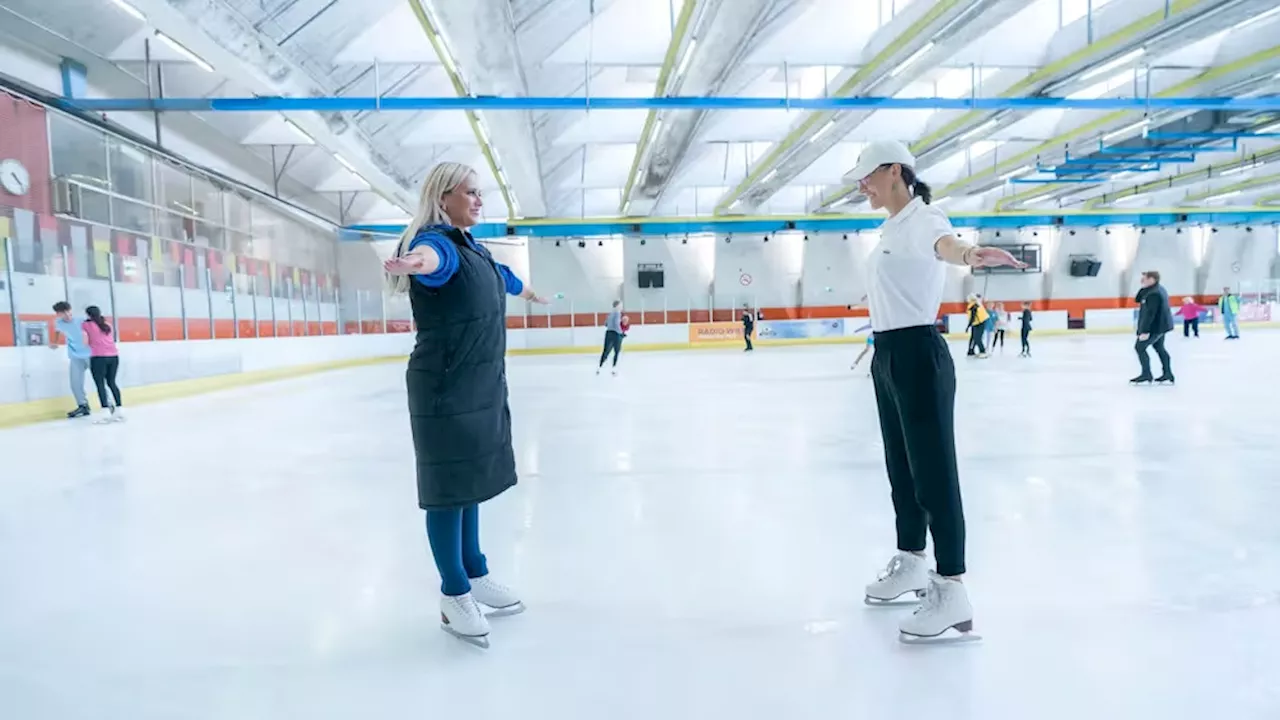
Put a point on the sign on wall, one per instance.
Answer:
(801, 329)
(717, 332)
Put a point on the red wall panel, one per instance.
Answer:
(24, 136)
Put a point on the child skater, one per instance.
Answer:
(1026, 330)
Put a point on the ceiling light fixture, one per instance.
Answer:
(772, 174)
(1107, 67)
(1236, 170)
(1041, 196)
(131, 10)
(343, 162)
(823, 131)
(183, 51)
(964, 15)
(984, 127)
(902, 66)
(1224, 195)
(302, 134)
(1127, 130)
(1256, 18)
(1129, 198)
(688, 56)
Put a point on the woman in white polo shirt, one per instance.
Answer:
(915, 385)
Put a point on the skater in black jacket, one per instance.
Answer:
(1155, 320)
(1026, 330)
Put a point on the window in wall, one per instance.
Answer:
(240, 243)
(129, 215)
(79, 151)
(130, 170)
(210, 235)
(171, 226)
(207, 200)
(173, 189)
(238, 211)
(92, 206)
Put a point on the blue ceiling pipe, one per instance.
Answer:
(1208, 135)
(1118, 150)
(834, 223)
(1056, 180)
(1088, 160)
(488, 102)
(1092, 171)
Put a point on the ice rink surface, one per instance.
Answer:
(691, 537)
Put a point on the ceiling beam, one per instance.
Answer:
(476, 41)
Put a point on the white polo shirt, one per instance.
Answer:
(905, 275)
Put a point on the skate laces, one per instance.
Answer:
(932, 598)
(895, 565)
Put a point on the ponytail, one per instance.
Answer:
(916, 186)
(95, 315)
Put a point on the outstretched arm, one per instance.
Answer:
(951, 250)
(423, 259)
(515, 286)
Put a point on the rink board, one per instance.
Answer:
(272, 365)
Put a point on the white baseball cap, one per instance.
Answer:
(881, 152)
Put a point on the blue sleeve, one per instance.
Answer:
(447, 251)
(514, 285)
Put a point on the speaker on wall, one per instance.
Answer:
(1085, 267)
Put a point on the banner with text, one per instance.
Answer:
(717, 332)
(800, 329)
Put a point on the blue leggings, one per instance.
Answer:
(455, 544)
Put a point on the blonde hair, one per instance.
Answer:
(442, 179)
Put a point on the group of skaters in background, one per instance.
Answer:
(1228, 309)
(988, 322)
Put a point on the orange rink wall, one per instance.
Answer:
(1075, 308)
(134, 329)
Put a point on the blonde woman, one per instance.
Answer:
(458, 390)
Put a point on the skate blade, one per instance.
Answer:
(480, 641)
(508, 611)
(910, 597)
(950, 636)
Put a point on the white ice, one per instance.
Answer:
(691, 537)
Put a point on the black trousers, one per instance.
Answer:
(998, 339)
(915, 382)
(104, 370)
(1026, 340)
(1190, 325)
(612, 342)
(746, 333)
(975, 340)
(1154, 340)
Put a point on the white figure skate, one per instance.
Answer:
(114, 415)
(498, 598)
(461, 617)
(945, 616)
(906, 574)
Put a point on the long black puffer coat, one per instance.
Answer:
(458, 384)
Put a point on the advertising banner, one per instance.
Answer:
(717, 332)
(1254, 312)
(800, 329)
